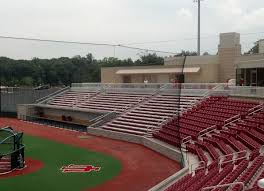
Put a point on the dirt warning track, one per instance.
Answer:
(142, 168)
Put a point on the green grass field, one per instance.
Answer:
(54, 155)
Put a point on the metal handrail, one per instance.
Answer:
(224, 185)
(258, 108)
(231, 119)
(261, 150)
(101, 117)
(46, 98)
(207, 130)
(220, 162)
(186, 140)
(199, 167)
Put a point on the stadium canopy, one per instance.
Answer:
(158, 71)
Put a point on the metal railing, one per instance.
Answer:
(186, 88)
(186, 140)
(102, 119)
(224, 185)
(201, 165)
(261, 150)
(256, 109)
(231, 120)
(247, 91)
(206, 131)
(221, 162)
(50, 96)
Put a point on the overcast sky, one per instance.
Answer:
(124, 21)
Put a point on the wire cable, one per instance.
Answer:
(193, 38)
(84, 43)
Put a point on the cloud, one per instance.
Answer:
(183, 12)
(252, 19)
(122, 21)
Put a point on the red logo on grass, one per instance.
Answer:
(72, 168)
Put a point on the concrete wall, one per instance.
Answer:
(10, 100)
(79, 117)
(261, 46)
(192, 60)
(158, 146)
(24, 110)
(250, 61)
(76, 115)
(208, 72)
(108, 75)
(229, 50)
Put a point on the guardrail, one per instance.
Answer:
(102, 119)
(203, 89)
(256, 109)
(206, 131)
(261, 150)
(224, 185)
(201, 165)
(221, 162)
(186, 140)
(247, 91)
(231, 120)
(148, 85)
(46, 98)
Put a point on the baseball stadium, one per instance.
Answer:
(128, 116)
(150, 136)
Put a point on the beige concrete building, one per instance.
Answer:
(227, 64)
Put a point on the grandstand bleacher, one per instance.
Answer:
(226, 134)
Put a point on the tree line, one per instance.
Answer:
(64, 70)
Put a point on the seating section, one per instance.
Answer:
(255, 186)
(148, 116)
(244, 135)
(72, 98)
(244, 171)
(213, 112)
(111, 102)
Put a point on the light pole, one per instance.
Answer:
(199, 28)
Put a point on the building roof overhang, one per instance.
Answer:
(158, 70)
(251, 64)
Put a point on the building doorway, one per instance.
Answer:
(127, 79)
(253, 77)
(250, 76)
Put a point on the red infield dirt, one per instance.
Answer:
(32, 166)
(142, 168)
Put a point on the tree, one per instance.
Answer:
(27, 81)
(64, 70)
(150, 59)
(254, 49)
(186, 53)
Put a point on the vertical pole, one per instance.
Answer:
(0, 99)
(199, 29)
(114, 51)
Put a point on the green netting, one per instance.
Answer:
(9, 141)
(4, 134)
(11, 145)
(7, 145)
(19, 139)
